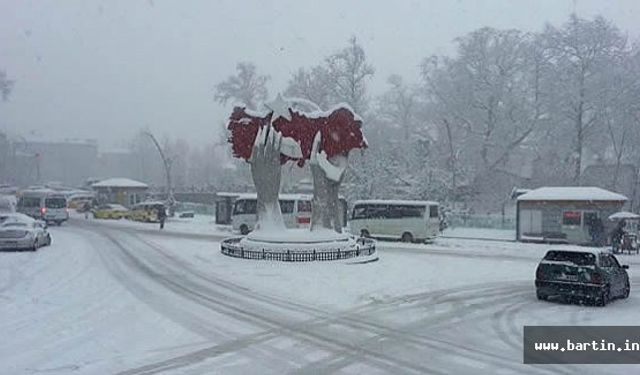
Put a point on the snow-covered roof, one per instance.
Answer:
(396, 202)
(572, 193)
(15, 217)
(120, 182)
(39, 192)
(153, 203)
(622, 215)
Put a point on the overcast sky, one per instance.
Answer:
(104, 69)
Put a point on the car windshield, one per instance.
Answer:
(577, 258)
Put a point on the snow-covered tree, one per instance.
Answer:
(399, 106)
(247, 86)
(6, 85)
(348, 72)
(341, 78)
(311, 84)
(580, 54)
(487, 100)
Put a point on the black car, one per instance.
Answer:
(591, 275)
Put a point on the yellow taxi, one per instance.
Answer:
(110, 211)
(147, 211)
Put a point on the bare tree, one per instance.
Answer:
(247, 86)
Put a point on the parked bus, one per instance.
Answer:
(295, 208)
(44, 204)
(409, 221)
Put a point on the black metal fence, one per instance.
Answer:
(232, 247)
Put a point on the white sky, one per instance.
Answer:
(104, 69)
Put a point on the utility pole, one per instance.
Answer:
(167, 169)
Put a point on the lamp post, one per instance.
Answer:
(167, 162)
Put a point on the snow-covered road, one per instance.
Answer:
(126, 299)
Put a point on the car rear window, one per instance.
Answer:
(577, 258)
(55, 203)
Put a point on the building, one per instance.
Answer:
(123, 191)
(69, 161)
(564, 214)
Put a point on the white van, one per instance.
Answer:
(408, 221)
(295, 208)
(43, 204)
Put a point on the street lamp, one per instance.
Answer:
(167, 169)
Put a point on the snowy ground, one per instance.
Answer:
(121, 297)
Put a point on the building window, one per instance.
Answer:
(571, 218)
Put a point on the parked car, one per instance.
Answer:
(186, 215)
(44, 204)
(592, 275)
(7, 204)
(21, 232)
(147, 211)
(78, 201)
(110, 211)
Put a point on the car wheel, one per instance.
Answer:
(603, 298)
(627, 290)
(244, 229)
(58, 223)
(407, 237)
(365, 233)
(541, 297)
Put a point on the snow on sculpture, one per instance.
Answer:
(285, 133)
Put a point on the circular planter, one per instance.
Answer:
(351, 248)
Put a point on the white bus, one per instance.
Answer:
(295, 208)
(409, 221)
(43, 204)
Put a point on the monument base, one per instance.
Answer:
(300, 245)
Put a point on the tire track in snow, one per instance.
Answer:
(382, 331)
(234, 308)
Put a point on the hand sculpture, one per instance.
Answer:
(266, 173)
(327, 175)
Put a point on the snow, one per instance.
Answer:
(624, 215)
(63, 312)
(297, 235)
(572, 193)
(120, 182)
(280, 108)
(327, 113)
(203, 225)
(110, 296)
(332, 171)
